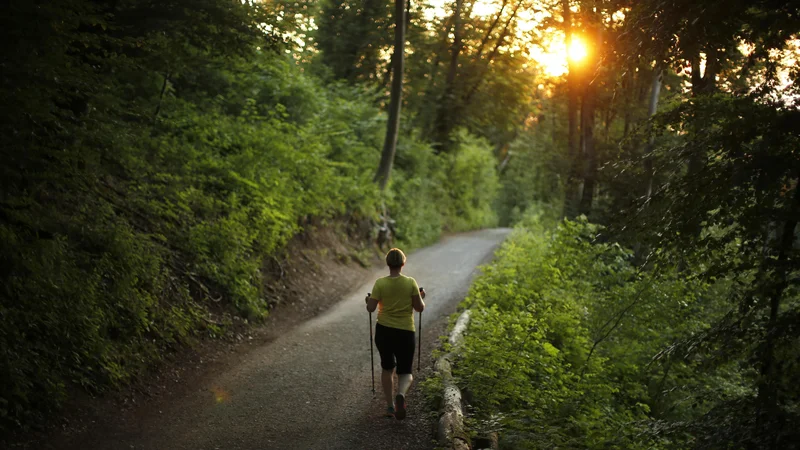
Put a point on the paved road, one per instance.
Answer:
(310, 388)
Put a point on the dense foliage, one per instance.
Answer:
(677, 134)
(560, 352)
(155, 156)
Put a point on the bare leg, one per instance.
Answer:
(404, 383)
(386, 382)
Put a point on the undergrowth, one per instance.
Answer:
(562, 344)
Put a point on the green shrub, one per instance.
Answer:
(449, 192)
(560, 348)
(415, 193)
(471, 185)
(533, 177)
(94, 319)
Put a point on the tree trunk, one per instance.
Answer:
(627, 89)
(702, 83)
(570, 195)
(161, 95)
(610, 115)
(655, 91)
(588, 150)
(443, 123)
(393, 124)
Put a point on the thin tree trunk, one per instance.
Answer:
(702, 83)
(588, 150)
(655, 91)
(629, 83)
(393, 124)
(443, 123)
(588, 121)
(710, 72)
(455, 50)
(697, 76)
(610, 115)
(697, 89)
(570, 195)
(504, 163)
(390, 68)
(161, 96)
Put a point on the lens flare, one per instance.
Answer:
(220, 395)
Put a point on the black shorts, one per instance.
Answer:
(394, 343)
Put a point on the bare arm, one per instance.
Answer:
(417, 303)
(372, 303)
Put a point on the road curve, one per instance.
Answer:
(311, 388)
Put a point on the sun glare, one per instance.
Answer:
(550, 52)
(577, 50)
(550, 57)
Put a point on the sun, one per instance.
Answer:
(577, 50)
(553, 54)
(549, 51)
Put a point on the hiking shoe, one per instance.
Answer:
(389, 411)
(400, 406)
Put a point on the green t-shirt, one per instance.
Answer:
(394, 301)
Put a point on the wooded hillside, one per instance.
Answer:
(157, 157)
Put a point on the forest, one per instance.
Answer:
(158, 157)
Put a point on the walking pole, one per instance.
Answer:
(419, 349)
(371, 352)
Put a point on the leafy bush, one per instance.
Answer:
(471, 184)
(534, 174)
(415, 193)
(560, 348)
(452, 192)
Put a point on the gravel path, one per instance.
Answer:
(311, 388)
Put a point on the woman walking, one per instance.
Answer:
(396, 297)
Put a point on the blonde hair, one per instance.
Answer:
(395, 258)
